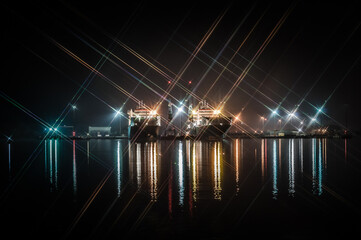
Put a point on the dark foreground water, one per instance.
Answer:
(241, 188)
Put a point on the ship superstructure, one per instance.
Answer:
(144, 123)
(206, 122)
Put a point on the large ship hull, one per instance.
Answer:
(147, 132)
(212, 131)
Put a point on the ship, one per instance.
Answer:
(144, 123)
(207, 123)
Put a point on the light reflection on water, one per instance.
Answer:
(291, 167)
(180, 178)
(51, 163)
(9, 153)
(217, 170)
(275, 170)
(119, 168)
(180, 173)
(75, 186)
(197, 161)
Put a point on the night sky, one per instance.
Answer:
(98, 54)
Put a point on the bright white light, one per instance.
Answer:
(180, 109)
(153, 112)
(180, 168)
(194, 112)
(313, 119)
(216, 112)
(50, 129)
(74, 107)
(55, 129)
(274, 112)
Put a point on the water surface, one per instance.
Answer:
(244, 188)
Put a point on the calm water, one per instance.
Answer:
(241, 188)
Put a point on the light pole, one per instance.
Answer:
(179, 111)
(280, 124)
(291, 116)
(319, 112)
(263, 119)
(274, 114)
(119, 114)
(74, 108)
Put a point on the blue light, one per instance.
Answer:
(118, 112)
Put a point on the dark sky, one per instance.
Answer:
(289, 54)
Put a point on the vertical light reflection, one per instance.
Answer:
(275, 188)
(119, 174)
(200, 159)
(300, 147)
(194, 173)
(189, 163)
(10, 160)
(237, 165)
(319, 167)
(139, 164)
(279, 154)
(153, 172)
(51, 164)
(188, 154)
(75, 187)
(180, 173)
(157, 164)
(316, 167)
(56, 164)
(313, 164)
(291, 168)
(217, 171)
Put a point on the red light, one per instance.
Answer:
(168, 82)
(73, 133)
(189, 82)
